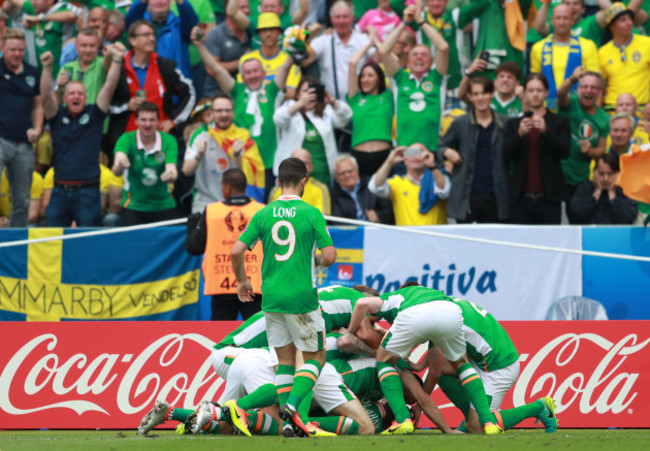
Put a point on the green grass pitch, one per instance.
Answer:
(423, 440)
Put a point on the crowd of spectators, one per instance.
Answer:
(407, 112)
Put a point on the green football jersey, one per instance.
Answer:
(376, 412)
(584, 126)
(446, 26)
(336, 303)
(360, 376)
(372, 117)
(396, 301)
(509, 109)
(50, 35)
(419, 109)
(290, 231)
(491, 34)
(251, 334)
(143, 190)
(262, 128)
(486, 341)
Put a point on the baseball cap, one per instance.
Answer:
(268, 20)
(615, 11)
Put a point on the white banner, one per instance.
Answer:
(511, 283)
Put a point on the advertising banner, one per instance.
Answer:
(511, 283)
(119, 276)
(89, 375)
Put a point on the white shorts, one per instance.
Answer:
(222, 359)
(330, 391)
(498, 382)
(439, 321)
(249, 371)
(305, 330)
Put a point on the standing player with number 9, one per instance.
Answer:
(290, 231)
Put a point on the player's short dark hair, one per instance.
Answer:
(365, 289)
(291, 172)
(147, 106)
(236, 179)
(488, 86)
(510, 67)
(610, 159)
(536, 76)
(410, 283)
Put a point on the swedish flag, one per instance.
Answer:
(348, 269)
(137, 275)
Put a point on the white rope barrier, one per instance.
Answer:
(412, 230)
(534, 247)
(92, 233)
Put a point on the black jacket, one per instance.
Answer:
(462, 135)
(584, 209)
(178, 100)
(555, 145)
(343, 204)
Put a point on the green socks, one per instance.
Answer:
(454, 391)
(473, 387)
(260, 423)
(284, 382)
(337, 425)
(391, 386)
(181, 415)
(264, 396)
(512, 417)
(303, 381)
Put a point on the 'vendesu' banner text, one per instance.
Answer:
(143, 274)
(88, 375)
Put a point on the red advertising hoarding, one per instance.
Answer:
(106, 375)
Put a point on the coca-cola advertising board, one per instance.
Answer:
(108, 374)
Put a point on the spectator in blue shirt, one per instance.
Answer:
(172, 31)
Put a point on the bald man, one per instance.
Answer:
(626, 103)
(558, 55)
(316, 194)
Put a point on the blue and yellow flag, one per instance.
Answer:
(137, 275)
(348, 269)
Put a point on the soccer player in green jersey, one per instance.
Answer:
(290, 230)
(419, 314)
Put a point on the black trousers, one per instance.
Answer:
(226, 307)
(536, 211)
(482, 209)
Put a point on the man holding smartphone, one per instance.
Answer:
(535, 144)
(422, 173)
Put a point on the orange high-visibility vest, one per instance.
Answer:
(225, 224)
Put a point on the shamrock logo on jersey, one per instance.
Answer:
(427, 86)
(31, 82)
(83, 120)
(159, 157)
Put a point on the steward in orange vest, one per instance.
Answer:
(213, 233)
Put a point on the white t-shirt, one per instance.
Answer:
(343, 52)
